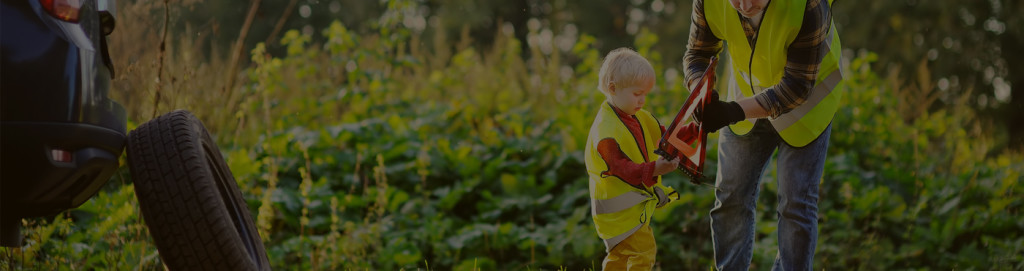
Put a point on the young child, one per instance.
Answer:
(625, 174)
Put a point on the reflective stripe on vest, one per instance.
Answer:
(818, 93)
(779, 27)
(619, 203)
(618, 208)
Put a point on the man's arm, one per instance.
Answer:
(803, 58)
(701, 46)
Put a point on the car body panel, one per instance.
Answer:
(53, 96)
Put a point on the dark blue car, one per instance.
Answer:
(61, 134)
(61, 137)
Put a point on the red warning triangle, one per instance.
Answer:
(686, 138)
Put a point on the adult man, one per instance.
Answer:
(784, 59)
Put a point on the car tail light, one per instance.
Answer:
(66, 10)
(60, 155)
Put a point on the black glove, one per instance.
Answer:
(719, 113)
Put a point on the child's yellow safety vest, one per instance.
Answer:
(618, 208)
(767, 62)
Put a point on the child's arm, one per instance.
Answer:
(621, 166)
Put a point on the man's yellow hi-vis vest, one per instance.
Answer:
(618, 208)
(779, 27)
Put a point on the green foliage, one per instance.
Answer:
(478, 161)
(924, 188)
(106, 232)
(370, 152)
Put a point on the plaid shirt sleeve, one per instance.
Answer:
(804, 56)
(701, 45)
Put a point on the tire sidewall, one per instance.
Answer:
(197, 217)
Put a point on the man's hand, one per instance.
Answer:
(663, 166)
(718, 114)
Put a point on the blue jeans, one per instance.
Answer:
(741, 162)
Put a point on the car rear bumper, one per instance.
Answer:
(36, 183)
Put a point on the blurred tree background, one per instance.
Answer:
(966, 47)
(448, 134)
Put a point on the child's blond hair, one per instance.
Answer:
(625, 68)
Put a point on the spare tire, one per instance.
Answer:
(189, 199)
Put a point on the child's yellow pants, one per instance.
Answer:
(636, 252)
